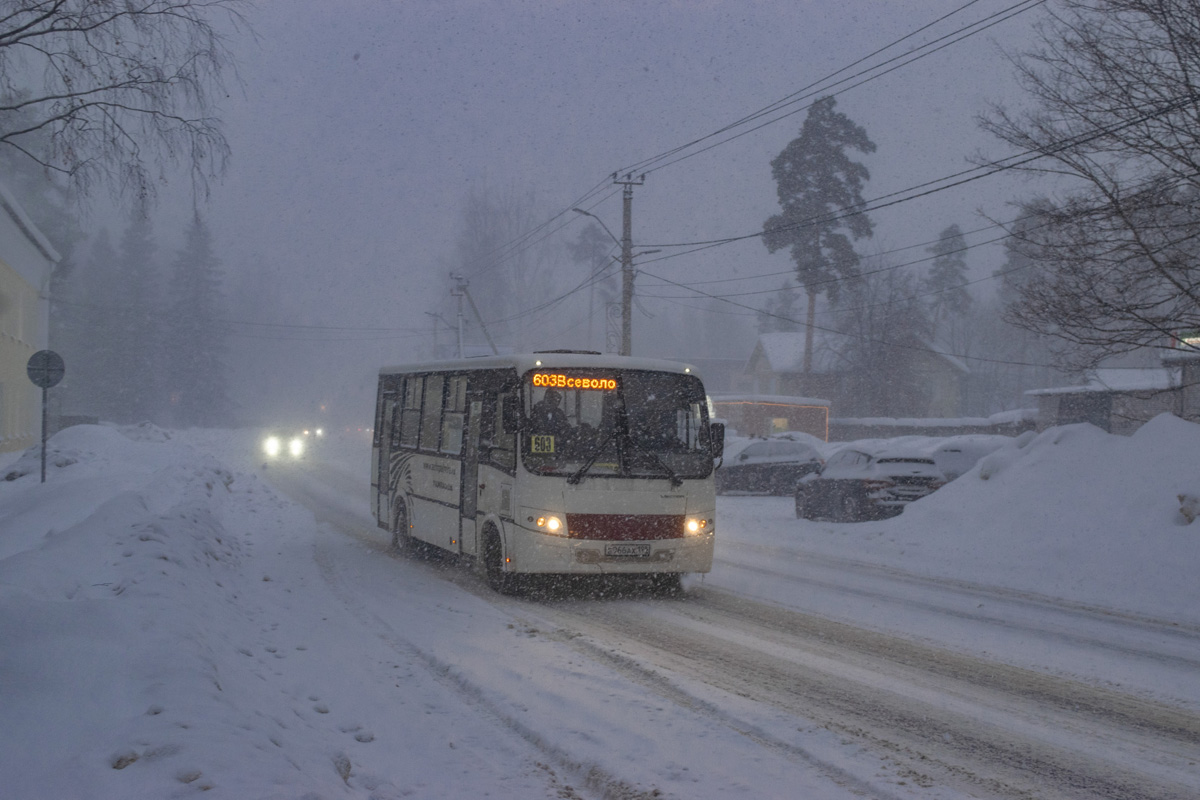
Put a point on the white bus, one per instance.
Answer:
(470, 456)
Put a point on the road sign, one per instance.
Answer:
(45, 368)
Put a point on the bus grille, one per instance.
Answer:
(625, 527)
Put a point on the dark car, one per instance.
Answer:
(855, 485)
(771, 466)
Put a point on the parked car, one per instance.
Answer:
(956, 455)
(772, 466)
(855, 485)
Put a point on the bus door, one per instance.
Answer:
(389, 435)
(469, 500)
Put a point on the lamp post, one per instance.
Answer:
(626, 245)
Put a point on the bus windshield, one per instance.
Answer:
(616, 422)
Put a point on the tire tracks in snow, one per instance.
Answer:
(591, 775)
(966, 722)
(1175, 637)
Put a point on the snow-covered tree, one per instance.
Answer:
(195, 371)
(945, 283)
(137, 327)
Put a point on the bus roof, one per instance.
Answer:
(523, 362)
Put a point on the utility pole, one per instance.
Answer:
(627, 262)
(460, 291)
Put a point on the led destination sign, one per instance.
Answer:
(560, 381)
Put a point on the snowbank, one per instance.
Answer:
(1073, 512)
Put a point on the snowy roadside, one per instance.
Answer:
(173, 626)
(1073, 513)
(171, 623)
(166, 631)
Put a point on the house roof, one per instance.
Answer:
(29, 252)
(784, 352)
(1149, 379)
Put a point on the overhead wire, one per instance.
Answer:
(995, 19)
(499, 255)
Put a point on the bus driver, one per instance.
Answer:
(547, 417)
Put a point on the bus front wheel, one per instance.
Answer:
(493, 563)
(401, 538)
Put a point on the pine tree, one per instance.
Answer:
(781, 311)
(593, 251)
(819, 189)
(947, 278)
(137, 328)
(91, 341)
(194, 367)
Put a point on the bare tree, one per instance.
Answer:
(885, 336)
(511, 268)
(1117, 111)
(115, 89)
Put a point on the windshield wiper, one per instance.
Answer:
(577, 476)
(676, 481)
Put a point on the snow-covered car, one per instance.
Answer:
(772, 466)
(856, 485)
(956, 455)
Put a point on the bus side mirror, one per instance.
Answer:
(511, 411)
(716, 435)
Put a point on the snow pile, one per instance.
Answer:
(125, 600)
(1072, 512)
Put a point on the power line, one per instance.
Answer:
(504, 252)
(864, 339)
(803, 94)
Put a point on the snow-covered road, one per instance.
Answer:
(176, 620)
(943, 685)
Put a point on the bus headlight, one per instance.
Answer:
(548, 523)
(296, 447)
(272, 445)
(695, 526)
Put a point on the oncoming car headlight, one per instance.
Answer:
(275, 446)
(695, 526)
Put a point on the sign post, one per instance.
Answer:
(45, 368)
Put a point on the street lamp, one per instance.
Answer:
(626, 245)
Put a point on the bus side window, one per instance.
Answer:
(503, 444)
(431, 412)
(392, 419)
(410, 423)
(452, 419)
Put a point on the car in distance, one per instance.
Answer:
(767, 466)
(856, 485)
(288, 443)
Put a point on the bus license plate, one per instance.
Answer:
(627, 550)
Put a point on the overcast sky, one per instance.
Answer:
(363, 124)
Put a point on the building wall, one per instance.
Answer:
(1115, 412)
(26, 259)
(19, 322)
